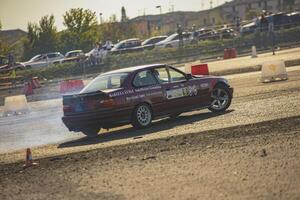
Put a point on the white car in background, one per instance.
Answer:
(173, 40)
(43, 60)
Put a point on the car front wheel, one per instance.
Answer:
(142, 116)
(220, 98)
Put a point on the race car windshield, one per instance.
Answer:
(105, 82)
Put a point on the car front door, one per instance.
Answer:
(175, 89)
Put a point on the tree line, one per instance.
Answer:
(82, 31)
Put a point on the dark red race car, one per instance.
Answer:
(137, 95)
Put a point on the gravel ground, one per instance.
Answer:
(259, 161)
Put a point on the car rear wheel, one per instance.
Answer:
(91, 131)
(142, 116)
(220, 98)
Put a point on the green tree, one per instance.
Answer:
(41, 38)
(81, 32)
(116, 31)
(79, 20)
(47, 34)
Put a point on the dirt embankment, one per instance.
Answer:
(258, 161)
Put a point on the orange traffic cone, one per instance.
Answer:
(28, 160)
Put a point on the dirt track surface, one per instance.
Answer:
(250, 152)
(260, 161)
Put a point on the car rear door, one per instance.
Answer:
(147, 89)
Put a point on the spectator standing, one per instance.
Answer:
(13, 76)
(194, 32)
(11, 60)
(180, 36)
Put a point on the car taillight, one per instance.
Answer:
(67, 108)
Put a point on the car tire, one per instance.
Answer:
(91, 131)
(142, 116)
(220, 98)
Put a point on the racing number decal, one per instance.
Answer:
(182, 92)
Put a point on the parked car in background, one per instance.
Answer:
(294, 18)
(248, 28)
(138, 95)
(126, 46)
(73, 56)
(173, 40)
(202, 31)
(210, 35)
(225, 33)
(149, 44)
(280, 21)
(43, 60)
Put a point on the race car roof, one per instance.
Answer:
(132, 69)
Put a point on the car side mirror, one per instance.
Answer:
(189, 76)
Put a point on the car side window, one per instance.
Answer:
(51, 55)
(123, 45)
(115, 82)
(176, 76)
(143, 79)
(161, 74)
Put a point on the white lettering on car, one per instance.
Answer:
(135, 97)
(121, 93)
(148, 88)
(204, 85)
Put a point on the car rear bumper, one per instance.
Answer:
(107, 118)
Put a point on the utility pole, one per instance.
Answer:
(160, 9)
(160, 20)
(100, 17)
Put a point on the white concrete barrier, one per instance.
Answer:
(15, 105)
(273, 71)
(254, 53)
(188, 68)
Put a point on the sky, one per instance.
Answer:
(17, 13)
